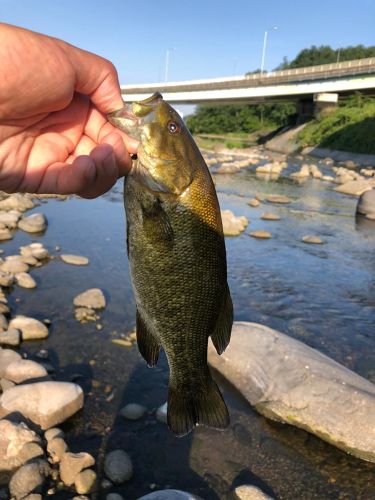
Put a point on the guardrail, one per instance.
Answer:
(323, 71)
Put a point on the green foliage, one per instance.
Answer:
(236, 118)
(348, 128)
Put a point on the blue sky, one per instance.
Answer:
(211, 38)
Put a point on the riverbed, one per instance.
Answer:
(323, 295)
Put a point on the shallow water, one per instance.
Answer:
(323, 295)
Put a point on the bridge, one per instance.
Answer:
(320, 84)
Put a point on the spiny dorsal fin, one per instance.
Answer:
(221, 334)
(147, 344)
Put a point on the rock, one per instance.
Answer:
(118, 466)
(6, 279)
(85, 481)
(6, 384)
(30, 260)
(72, 464)
(31, 328)
(15, 441)
(76, 260)
(261, 234)
(278, 198)
(355, 188)
(114, 496)
(33, 496)
(350, 164)
(25, 280)
(227, 169)
(35, 223)
(253, 202)
(288, 381)
(52, 433)
(270, 216)
(366, 203)
(368, 172)
(18, 202)
(30, 478)
(10, 337)
(162, 413)
(232, 225)
(7, 356)
(3, 323)
(5, 234)
(315, 172)
(133, 411)
(56, 448)
(44, 403)
(4, 308)
(9, 219)
(315, 240)
(85, 314)
(250, 492)
(24, 369)
(35, 250)
(303, 173)
(169, 495)
(92, 298)
(13, 264)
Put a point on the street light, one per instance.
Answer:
(172, 49)
(275, 28)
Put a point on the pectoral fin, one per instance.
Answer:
(221, 334)
(147, 344)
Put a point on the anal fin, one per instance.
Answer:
(147, 344)
(223, 328)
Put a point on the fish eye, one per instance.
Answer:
(173, 127)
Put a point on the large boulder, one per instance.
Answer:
(18, 444)
(288, 381)
(366, 203)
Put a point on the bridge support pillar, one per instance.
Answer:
(305, 110)
(324, 103)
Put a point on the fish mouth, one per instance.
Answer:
(133, 116)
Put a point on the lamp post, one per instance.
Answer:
(274, 28)
(167, 62)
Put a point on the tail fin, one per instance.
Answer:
(206, 407)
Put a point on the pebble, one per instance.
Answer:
(85, 314)
(270, 216)
(85, 481)
(42, 354)
(13, 264)
(254, 202)
(133, 411)
(5, 234)
(170, 495)
(72, 464)
(56, 448)
(162, 413)
(123, 342)
(261, 234)
(7, 356)
(6, 279)
(10, 337)
(14, 445)
(278, 198)
(76, 260)
(315, 240)
(30, 478)
(45, 403)
(31, 328)
(250, 492)
(118, 466)
(92, 298)
(25, 280)
(35, 223)
(24, 369)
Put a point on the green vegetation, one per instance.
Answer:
(349, 128)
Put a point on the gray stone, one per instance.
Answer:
(24, 280)
(85, 481)
(170, 495)
(44, 403)
(118, 466)
(92, 298)
(7, 356)
(233, 225)
(6, 279)
(250, 492)
(24, 369)
(30, 478)
(72, 464)
(35, 223)
(56, 448)
(133, 411)
(31, 328)
(75, 260)
(162, 413)
(15, 445)
(290, 382)
(10, 337)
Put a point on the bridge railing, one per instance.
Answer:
(322, 71)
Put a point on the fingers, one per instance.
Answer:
(88, 176)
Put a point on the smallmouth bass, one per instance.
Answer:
(177, 259)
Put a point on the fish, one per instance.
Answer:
(177, 259)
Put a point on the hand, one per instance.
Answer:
(54, 135)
